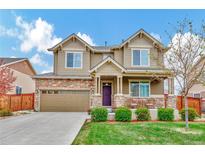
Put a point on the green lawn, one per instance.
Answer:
(141, 133)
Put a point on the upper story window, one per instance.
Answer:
(74, 59)
(18, 90)
(140, 57)
(139, 88)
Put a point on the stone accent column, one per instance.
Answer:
(119, 100)
(37, 100)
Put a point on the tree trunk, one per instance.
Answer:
(186, 112)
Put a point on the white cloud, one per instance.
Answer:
(48, 70)
(13, 48)
(11, 32)
(86, 38)
(37, 34)
(157, 36)
(37, 60)
(13, 57)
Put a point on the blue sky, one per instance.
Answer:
(28, 33)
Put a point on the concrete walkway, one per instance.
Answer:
(42, 128)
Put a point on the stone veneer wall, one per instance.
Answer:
(172, 102)
(151, 103)
(61, 84)
(96, 100)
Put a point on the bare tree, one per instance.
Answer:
(6, 78)
(187, 51)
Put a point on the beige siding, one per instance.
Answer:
(118, 56)
(95, 58)
(157, 87)
(23, 67)
(197, 88)
(25, 81)
(55, 62)
(108, 69)
(156, 57)
(74, 46)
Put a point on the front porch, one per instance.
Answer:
(116, 86)
(114, 91)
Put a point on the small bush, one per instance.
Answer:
(191, 112)
(165, 114)
(142, 114)
(5, 112)
(123, 114)
(99, 114)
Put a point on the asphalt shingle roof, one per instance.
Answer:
(10, 60)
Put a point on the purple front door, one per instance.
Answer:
(107, 95)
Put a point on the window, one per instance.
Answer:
(139, 89)
(18, 90)
(196, 95)
(140, 57)
(44, 91)
(74, 60)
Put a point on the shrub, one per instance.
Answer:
(191, 112)
(165, 114)
(99, 114)
(142, 114)
(123, 114)
(5, 112)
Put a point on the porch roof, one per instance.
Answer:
(104, 61)
(138, 71)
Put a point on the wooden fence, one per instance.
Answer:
(17, 102)
(192, 103)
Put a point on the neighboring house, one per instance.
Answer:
(198, 89)
(85, 76)
(23, 71)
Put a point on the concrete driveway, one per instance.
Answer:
(42, 128)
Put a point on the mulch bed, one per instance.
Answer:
(14, 115)
(136, 121)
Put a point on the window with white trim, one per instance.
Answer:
(140, 57)
(196, 95)
(74, 59)
(139, 88)
(18, 90)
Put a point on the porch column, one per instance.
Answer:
(170, 85)
(99, 85)
(96, 85)
(118, 82)
(121, 85)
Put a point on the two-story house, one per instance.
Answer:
(85, 76)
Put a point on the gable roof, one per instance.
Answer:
(68, 38)
(9, 61)
(108, 59)
(108, 48)
(142, 31)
